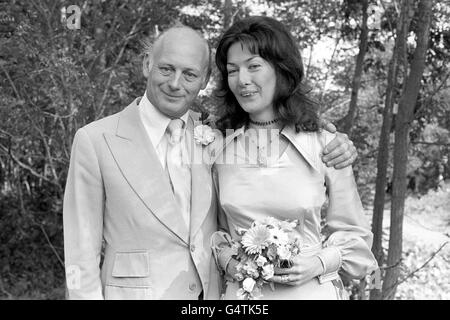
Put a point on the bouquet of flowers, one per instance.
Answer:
(265, 245)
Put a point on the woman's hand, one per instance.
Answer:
(303, 270)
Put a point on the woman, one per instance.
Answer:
(273, 168)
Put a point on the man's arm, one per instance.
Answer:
(83, 221)
(340, 152)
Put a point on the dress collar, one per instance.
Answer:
(306, 143)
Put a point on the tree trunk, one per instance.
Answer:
(356, 83)
(402, 124)
(383, 145)
(227, 14)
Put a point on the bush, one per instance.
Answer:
(29, 266)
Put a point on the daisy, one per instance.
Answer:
(255, 239)
(279, 237)
(271, 221)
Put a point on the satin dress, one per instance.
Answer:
(296, 185)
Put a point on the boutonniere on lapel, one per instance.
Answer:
(204, 134)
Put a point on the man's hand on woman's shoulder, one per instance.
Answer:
(340, 152)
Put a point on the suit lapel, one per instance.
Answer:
(201, 182)
(140, 165)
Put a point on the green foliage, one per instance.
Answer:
(426, 248)
(55, 80)
(31, 250)
(429, 231)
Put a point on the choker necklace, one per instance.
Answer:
(264, 123)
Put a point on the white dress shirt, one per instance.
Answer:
(155, 124)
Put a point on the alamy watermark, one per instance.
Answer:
(71, 17)
(374, 279)
(73, 277)
(256, 147)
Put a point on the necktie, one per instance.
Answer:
(178, 167)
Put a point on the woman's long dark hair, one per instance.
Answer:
(272, 41)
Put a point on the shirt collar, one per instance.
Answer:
(155, 121)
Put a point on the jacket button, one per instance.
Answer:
(192, 286)
(192, 248)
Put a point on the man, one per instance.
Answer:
(155, 218)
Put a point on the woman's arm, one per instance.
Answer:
(347, 247)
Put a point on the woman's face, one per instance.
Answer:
(252, 81)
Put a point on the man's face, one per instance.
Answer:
(176, 71)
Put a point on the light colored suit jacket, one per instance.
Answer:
(118, 195)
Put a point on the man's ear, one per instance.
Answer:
(147, 64)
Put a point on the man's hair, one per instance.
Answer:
(269, 39)
(148, 43)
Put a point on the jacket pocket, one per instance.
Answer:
(131, 265)
(129, 277)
